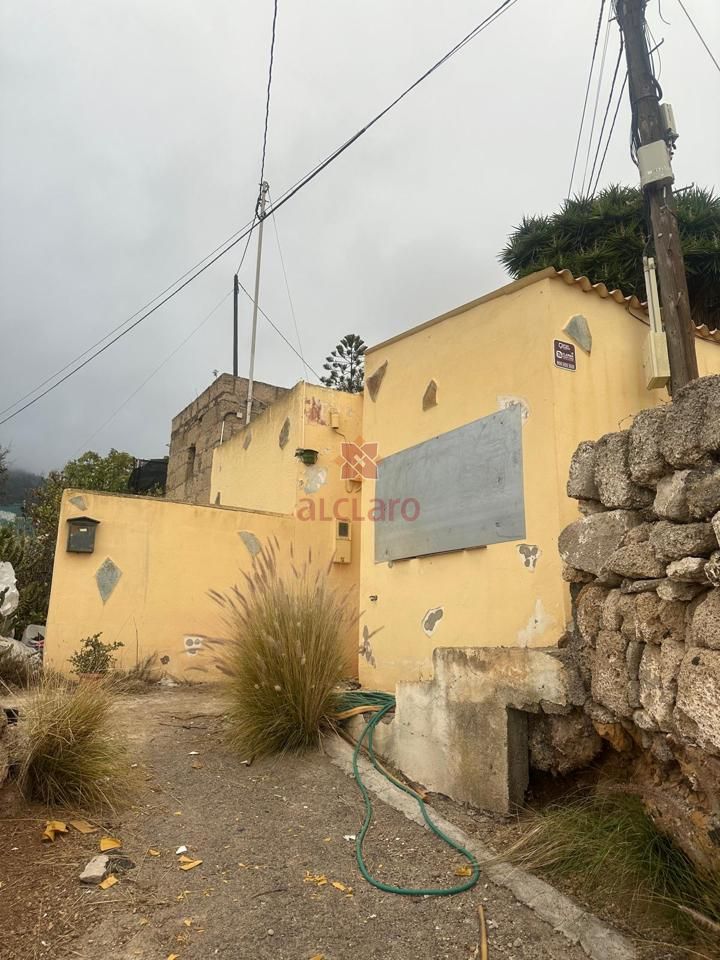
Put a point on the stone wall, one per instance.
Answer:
(218, 412)
(644, 567)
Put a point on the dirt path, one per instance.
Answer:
(259, 831)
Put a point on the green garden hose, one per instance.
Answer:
(382, 703)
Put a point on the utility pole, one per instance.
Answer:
(656, 181)
(264, 187)
(236, 292)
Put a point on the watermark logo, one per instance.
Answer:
(358, 460)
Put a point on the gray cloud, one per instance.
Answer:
(131, 137)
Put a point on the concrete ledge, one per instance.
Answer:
(597, 939)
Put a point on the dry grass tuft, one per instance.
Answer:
(137, 679)
(18, 672)
(608, 844)
(68, 755)
(285, 656)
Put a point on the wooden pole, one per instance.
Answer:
(679, 326)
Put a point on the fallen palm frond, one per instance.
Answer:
(284, 657)
(68, 754)
(607, 844)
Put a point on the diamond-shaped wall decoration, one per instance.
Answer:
(107, 576)
(578, 329)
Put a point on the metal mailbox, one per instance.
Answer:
(81, 534)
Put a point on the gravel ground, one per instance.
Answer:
(259, 830)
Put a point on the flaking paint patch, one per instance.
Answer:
(507, 400)
(193, 644)
(79, 502)
(316, 411)
(107, 577)
(539, 622)
(530, 553)
(251, 542)
(315, 478)
(431, 619)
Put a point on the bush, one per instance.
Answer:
(285, 656)
(68, 755)
(138, 678)
(608, 844)
(94, 656)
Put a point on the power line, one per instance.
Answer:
(606, 114)
(157, 370)
(120, 325)
(607, 142)
(267, 100)
(596, 104)
(587, 94)
(244, 232)
(700, 36)
(290, 299)
(278, 331)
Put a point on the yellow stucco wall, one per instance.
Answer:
(170, 555)
(479, 357)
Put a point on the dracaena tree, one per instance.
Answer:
(346, 365)
(603, 238)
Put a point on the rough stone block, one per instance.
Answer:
(716, 527)
(657, 620)
(589, 611)
(658, 680)
(572, 575)
(712, 569)
(639, 534)
(697, 714)
(609, 673)
(588, 507)
(96, 869)
(702, 489)
(687, 570)
(633, 656)
(641, 586)
(671, 498)
(615, 487)
(634, 694)
(704, 621)
(581, 478)
(611, 618)
(559, 744)
(636, 560)
(673, 541)
(645, 461)
(587, 543)
(675, 590)
(686, 434)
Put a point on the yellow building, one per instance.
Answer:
(465, 365)
(501, 389)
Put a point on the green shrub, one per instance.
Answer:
(284, 658)
(68, 755)
(94, 656)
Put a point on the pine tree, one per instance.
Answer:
(346, 365)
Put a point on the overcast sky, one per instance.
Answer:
(131, 137)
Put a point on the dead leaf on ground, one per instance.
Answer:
(196, 765)
(463, 872)
(188, 921)
(109, 843)
(318, 878)
(52, 828)
(109, 882)
(318, 956)
(188, 864)
(173, 956)
(82, 826)
(153, 852)
(341, 886)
